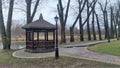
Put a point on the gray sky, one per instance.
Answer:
(48, 10)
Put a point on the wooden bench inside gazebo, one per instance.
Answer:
(40, 36)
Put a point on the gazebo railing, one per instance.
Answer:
(40, 44)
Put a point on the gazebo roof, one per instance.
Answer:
(39, 24)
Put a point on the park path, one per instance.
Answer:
(78, 51)
(87, 43)
(83, 53)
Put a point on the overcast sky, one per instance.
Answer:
(47, 8)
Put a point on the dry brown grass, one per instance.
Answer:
(77, 38)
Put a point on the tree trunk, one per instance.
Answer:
(99, 31)
(104, 17)
(81, 28)
(81, 8)
(112, 29)
(116, 24)
(9, 24)
(6, 34)
(88, 27)
(2, 28)
(93, 27)
(28, 2)
(105, 25)
(119, 29)
(63, 37)
(63, 18)
(80, 22)
(30, 15)
(71, 34)
(115, 27)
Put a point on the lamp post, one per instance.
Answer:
(56, 46)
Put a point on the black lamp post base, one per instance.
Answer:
(56, 53)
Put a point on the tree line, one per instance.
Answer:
(110, 19)
(88, 8)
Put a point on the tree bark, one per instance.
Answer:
(88, 25)
(6, 34)
(117, 24)
(107, 26)
(80, 11)
(2, 28)
(104, 17)
(111, 20)
(99, 31)
(28, 8)
(63, 18)
(80, 22)
(71, 34)
(93, 25)
(30, 15)
(81, 29)
(63, 37)
(9, 21)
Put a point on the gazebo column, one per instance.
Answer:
(32, 39)
(47, 35)
(54, 37)
(26, 39)
(45, 39)
(37, 36)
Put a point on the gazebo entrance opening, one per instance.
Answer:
(40, 36)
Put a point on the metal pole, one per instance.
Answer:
(56, 47)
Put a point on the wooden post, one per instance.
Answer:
(54, 37)
(47, 35)
(26, 39)
(37, 36)
(32, 39)
(45, 39)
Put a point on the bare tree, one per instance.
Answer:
(6, 34)
(81, 8)
(112, 22)
(104, 11)
(80, 18)
(63, 18)
(117, 18)
(115, 24)
(98, 24)
(93, 25)
(88, 24)
(30, 15)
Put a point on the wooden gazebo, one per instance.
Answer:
(40, 36)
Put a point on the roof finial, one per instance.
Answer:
(41, 17)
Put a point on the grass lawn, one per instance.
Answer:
(7, 61)
(112, 48)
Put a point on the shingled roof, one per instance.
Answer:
(39, 24)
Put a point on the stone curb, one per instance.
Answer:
(87, 44)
